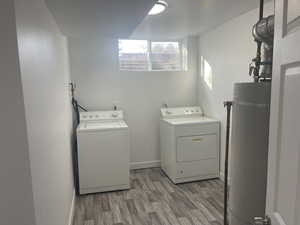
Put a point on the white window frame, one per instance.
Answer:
(149, 57)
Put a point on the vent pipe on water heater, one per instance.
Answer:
(263, 33)
(250, 131)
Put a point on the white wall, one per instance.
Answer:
(94, 68)
(16, 205)
(45, 76)
(228, 49)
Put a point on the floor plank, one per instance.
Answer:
(153, 200)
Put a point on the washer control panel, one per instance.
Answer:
(181, 111)
(101, 115)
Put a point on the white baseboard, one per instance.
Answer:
(144, 165)
(72, 209)
(222, 177)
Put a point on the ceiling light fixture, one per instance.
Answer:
(158, 8)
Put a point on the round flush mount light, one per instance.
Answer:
(158, 8)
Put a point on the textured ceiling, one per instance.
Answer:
(117, 18)
(124, 18)
(186, 17)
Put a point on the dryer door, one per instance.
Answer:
(195, 148)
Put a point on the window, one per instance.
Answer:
(143, 55)
(165, 56)
(206, 72)
(133, 55)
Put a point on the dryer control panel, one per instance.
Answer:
(181, 112)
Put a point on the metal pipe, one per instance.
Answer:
(228, 105)
(263, 32)
(267, 58)
(257, 60)
(261, 9)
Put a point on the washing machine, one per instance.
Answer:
(103, 152)
(189, 144)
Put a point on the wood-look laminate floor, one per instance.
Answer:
(154, 200)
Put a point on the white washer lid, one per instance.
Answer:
(190, 120)
(85, 127)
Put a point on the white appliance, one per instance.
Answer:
(249, 152)
(190, 144)
(103, 152)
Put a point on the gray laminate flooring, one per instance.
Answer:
(154, 200)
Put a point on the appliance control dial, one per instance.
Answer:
(114, 115)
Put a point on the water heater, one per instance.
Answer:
(249, 152)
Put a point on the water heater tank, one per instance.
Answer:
(249, 152)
